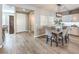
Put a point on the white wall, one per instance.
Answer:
(5, 18)
(37, 13)
(7, 10)
(46, 20)
(31, 21)
(44, 17)
(0, 24)
(21, 22)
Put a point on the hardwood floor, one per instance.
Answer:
(24, 43)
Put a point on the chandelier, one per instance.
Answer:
(60, 10)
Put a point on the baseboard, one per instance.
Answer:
(22, 32)
(39, 35)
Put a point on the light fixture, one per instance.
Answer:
(58, 11)
(61, 10)
(58, 19)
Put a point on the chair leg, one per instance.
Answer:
(51, 41)
(62, 42)
(65, 39)
(56, 42)
(47, 39)
(68, 37)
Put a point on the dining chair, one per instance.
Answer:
(64, 36)
(49, 36)
(67, 35)
(61, 38)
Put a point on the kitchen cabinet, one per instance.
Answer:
(74, 31)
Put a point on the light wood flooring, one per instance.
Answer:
(24, 43)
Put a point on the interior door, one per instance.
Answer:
(22, 23)
(11, 24)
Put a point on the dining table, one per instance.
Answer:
(57, 33)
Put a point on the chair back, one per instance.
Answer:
(66, 31)
(48, 31)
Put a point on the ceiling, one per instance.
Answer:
(71, 6)
(23, 10)
(52, 7)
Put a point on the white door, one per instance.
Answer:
(21, 22)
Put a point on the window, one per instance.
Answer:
(43, 20)
(8, 9)
(46, 20)
(50, 20)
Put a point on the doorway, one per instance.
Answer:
(21, 22)
(11, 24)
(25, 22)
(8, 23)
